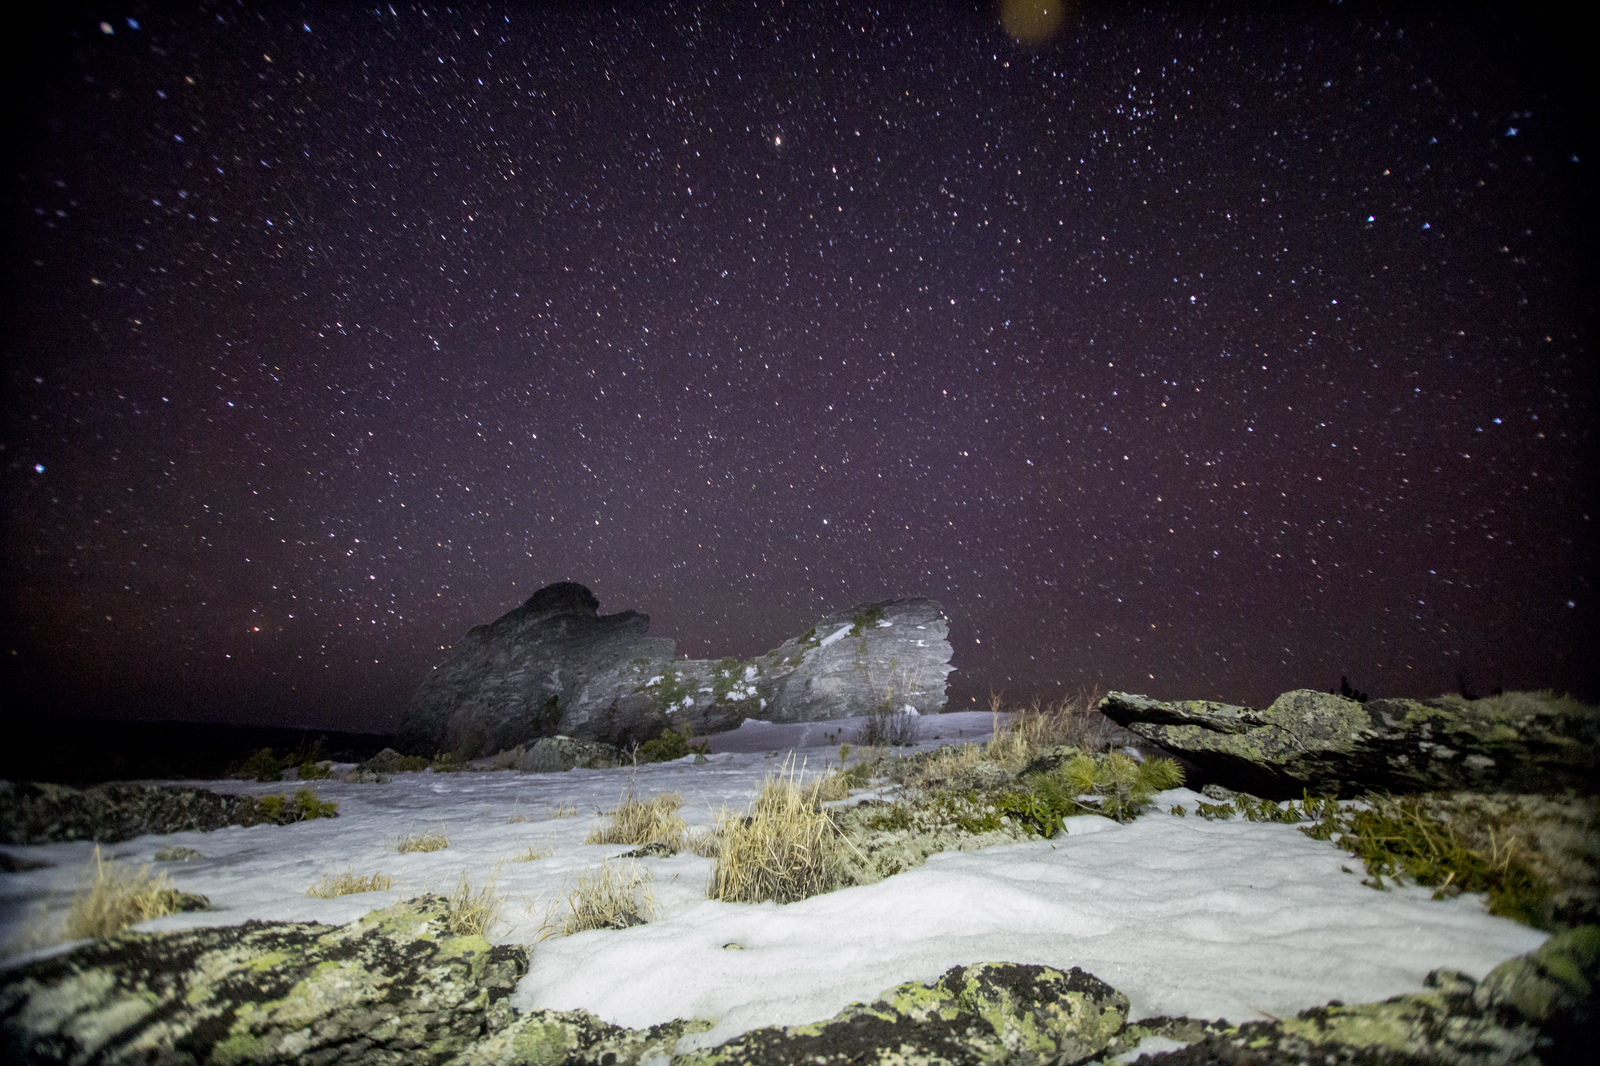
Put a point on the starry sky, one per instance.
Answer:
(1204, 351)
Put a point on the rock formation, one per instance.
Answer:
(555, 666)
(1329, 745)
(404, 985)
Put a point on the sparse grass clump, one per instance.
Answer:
(785, 849)
(607, 897)
(888, 727)
(115, 899)
(533, 854)
(348, 884)
(472, 913)
(429, 840)
(637, 821)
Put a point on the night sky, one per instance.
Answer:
(1198, 351)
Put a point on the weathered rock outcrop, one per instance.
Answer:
(1330, 745)
(556, 666)
(37, 813)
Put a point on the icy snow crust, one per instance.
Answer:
(1234, 919)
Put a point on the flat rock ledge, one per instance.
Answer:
(39, 813)
(399, 986)
(1329, 745)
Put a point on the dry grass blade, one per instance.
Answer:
(565, 810)
(115, 900)
(785, 849)
(472, 913)
(533, 854)
(637, 821)
(428, 841)
(607, 897)
(348, 884)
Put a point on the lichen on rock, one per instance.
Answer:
(987, 1013)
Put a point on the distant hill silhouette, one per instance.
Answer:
(78, 751)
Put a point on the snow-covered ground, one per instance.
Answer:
(1226, 919)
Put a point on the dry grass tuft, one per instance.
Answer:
(565, 810)
(428, 841)
(829, 788)
(115, 899)
(348, 884)
(637, 821)
(785, 849)
(533, 854)
(607, 897)
(472, 913)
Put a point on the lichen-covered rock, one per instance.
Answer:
(394, 987)
(986, 1014)
(557, 754)
(39, 813)
(555, 666)
(573, 1038)
(1536, 1010)
(1329, 745)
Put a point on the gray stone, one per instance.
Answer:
(1329, 745)
(555, 666)
(557, 754)
(990, 1013)
(177, 854)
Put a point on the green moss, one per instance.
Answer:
(1399, 837)
(865, 620)
(312, 771)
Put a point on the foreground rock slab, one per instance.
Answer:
(556, 667)
(401, 986)
(397, 986)
(1330, 745)
(990, 1013)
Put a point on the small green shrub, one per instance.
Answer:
(302, 806)
(262, 766)
(447, 762)
(671, 744)
(312, 771)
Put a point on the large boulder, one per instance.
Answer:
(1329, 745)
(556, 667)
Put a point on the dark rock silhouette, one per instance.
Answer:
(555, 666)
